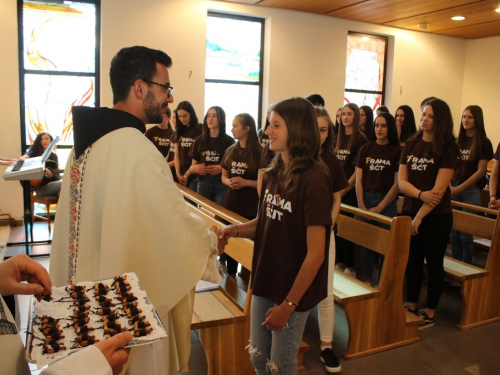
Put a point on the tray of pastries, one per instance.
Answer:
(75, 316)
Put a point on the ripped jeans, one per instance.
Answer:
(274, 352)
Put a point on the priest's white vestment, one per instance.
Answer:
(120, 211)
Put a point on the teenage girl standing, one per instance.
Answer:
(187, 129)
(267, 154)
(240, 166)
(207, 152)
(349, 141)
(470, 177)
(377, 167)
(428, 163)
(494, 202)
(405, 122)
(326, 309)
(366, 121)
(292, 233)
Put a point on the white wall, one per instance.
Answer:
(304, 54)
(11, 196)
(482, 82)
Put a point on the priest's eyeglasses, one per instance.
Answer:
(165, 88)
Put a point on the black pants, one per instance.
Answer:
(11, 304)
(430, 243)
(345, 248)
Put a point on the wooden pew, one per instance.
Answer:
(376, 318)
(224, 339)
(479, 287)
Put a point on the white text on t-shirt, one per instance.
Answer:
(276, 205)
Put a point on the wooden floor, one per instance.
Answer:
(443, 350)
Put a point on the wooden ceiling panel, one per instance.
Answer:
(382, 11)
(310, 6)
(478, 31)
(441, 20)
(481, 20)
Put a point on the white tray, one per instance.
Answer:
(33, 353)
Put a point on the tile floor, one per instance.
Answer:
(443, 350)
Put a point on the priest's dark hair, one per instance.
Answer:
(131, 64)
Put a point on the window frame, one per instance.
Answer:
(260, 84)
(22, 71)
(384, 81)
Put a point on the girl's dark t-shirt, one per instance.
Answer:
(161, 138)
(186, 142)
(422, 172)
(242, 201)
(497, 157)
(210, 155)
(338, 179)
(52, 163)
(346, 156)
(280, 244)
(379, 163)
(466, 167)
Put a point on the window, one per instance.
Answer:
(233, 67)
(365, 71)
(59, 56)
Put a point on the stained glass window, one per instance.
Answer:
(59, 66)
(365, 70)
(233, 67)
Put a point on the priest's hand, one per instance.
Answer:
(221, 241)
(113, 350)
(22, 268)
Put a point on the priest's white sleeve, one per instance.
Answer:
(87, 361)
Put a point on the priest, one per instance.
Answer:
(120, 211)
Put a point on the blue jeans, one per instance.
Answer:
(372, 198)
(462, 244)
(276, 351)
(191, 183)
(211, 187)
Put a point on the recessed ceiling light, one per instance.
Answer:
(458, 18)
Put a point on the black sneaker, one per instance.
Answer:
(428, 322)
(408, 308)
(331, 362)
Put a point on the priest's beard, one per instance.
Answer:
(154, 111)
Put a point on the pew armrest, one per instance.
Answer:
(347, 289)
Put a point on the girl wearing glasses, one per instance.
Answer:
(187, 130)
(292, 233)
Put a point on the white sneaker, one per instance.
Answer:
(349, 272)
